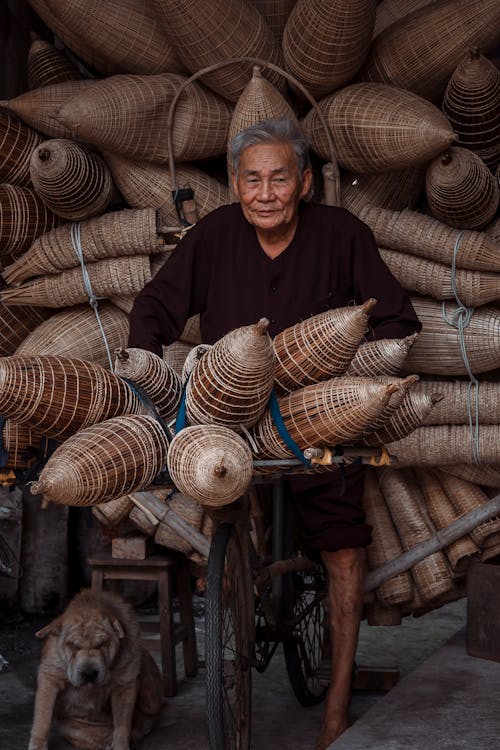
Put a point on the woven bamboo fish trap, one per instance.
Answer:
(114, 511)
(104, 461)
(320, 346)
(17, 323)
(421, 275)
(144, 185)
(21, 444)
(472, 105)
(128, 113)
(446, 444)
(486, 475)
(421, 235)
(190, 511)
(175, 355)
(466, 497)
(232, 382)
(196, 353)
(204, 35)
(71, 180)
(454, 406)
(75, 333)
(432, 575)
(442, 513)
(385, 545)
(408, 416)
(37, 108)
(437, 350)
(394, 190)
(390, 11)
(23, 218)
(119, 233)
(109, 277)
(48, 65)
(325, 44)
(421, 51)
(493, 229)
(379, 128)
(276, 13)
(125, 34)
(461, 191)
(210, 463)
(17, 142)
(323, 414)
(381, 357)
(160, 381)
(60, 395)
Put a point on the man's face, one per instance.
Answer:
(269, 185)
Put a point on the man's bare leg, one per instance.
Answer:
(345, 570)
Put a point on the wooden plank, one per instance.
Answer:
(131, 547)
(483, 622)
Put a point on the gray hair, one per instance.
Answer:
(283, 130)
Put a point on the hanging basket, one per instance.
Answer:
(160, 381)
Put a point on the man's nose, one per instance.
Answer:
(266, 191)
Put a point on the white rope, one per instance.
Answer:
(460, 320)
(93, 300)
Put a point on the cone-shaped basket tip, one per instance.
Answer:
(262, 326)
(369, 304)
(122, 354)
(410, 380)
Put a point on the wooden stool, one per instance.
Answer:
(159, 568)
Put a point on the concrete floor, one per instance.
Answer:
(427, 703)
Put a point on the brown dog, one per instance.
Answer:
(95, 677)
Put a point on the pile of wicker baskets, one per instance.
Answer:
(411, 96)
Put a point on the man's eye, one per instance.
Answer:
(279, 180)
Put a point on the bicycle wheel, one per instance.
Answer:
(228, 642)
(305, 610)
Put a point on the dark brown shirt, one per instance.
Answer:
(220, 271)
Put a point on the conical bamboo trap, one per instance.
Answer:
(175, 355)
(323, 414)
(421, 51)
(120, 36)
(454, 406)
(17, 142)
(119, 233)
(381, 357)
(461, 191)
(71, 180)
(104, 461)
(37, 108)
(204, 35)
(59, 395)
(412, 412)
(232, 382)
(485, 475)
(320, 346)
(276, 13)
(466, 497)
(127, 114)
(210, 463)
(392, 190)
(196, 353)
(390, 11)
(48, 65)
(325, 44)
(110, 277)
(23, 218)
(472, 105)
(21, 443)
(437, 349)
(446, 444)
(403, 386)
(379, 128)
(385, 545)
(442, 513)
(75, 333)
(474, 288)
(425, 236)
(160, 381)
(406, 504)
(17, 323)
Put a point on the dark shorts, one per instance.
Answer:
(330, 510)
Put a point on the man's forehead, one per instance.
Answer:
(275, 157)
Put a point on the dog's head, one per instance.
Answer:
(86, 645)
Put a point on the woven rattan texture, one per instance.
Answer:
(17, 323)
(104, 461)
(325, 44)
(17, 142)
(408, 416)
(276, 13)
(421, 51)
(175, 355)
(378, 128)
(210, 464)
(192, 358)
(114, 511)
(486, 475)
(48, 65)
(21, 444)
(446, 444)
(395, 190)
(390, 11)
(466, 497)
(23, 218)
(160, 381)
(454, 406)
(381, 357)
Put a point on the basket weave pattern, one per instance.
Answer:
(48, 65)
(17, 141)
(23, 218)
(159, 380)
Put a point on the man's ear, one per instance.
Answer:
(234, 183)
(306, 182)
(53, 628)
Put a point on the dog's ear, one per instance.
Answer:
(117, 627)
(53, 628)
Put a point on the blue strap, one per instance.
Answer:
(181, 420)
(283, 432)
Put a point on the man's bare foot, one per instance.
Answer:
(333, 727)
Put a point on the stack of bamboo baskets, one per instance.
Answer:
(412, 97)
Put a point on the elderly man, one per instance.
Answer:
(274, 255)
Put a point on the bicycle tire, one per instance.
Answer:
(228, 643)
